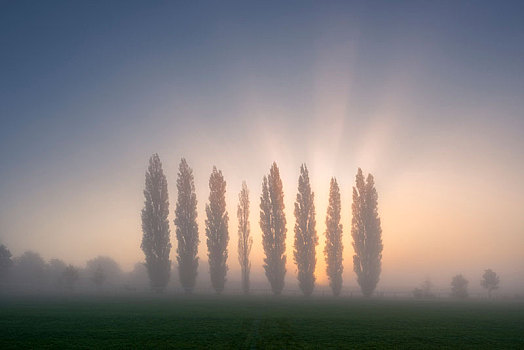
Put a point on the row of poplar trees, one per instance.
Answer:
(365, 230)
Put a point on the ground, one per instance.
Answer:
(258, 322)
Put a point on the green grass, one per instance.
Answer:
(257, 323)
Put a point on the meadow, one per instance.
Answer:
(256, 322)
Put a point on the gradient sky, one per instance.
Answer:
(427, 96)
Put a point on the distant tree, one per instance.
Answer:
(30, 269)
(55, 271)
(71, 276)
(5, 262)
(424, 292)
(245, 241)
(155, 226)
(306, 238)
(273, 226)
(490, 281)
(217, 230)
(186, 227)
(366, 233)
(334, 246)
(99, 276)
(459, 287)
(138, 276)
(106, 267)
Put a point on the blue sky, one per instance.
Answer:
(69, 67)
(88, 90)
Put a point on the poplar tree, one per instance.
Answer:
(245, 241)
(306, 238)
(155, 226)
(186, 227)
(334, 246)
(273, 226)
(217, 230)
(366, 233)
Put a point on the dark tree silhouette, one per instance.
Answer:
(306, 238)
(459, 287)
(334, 246)
(244, 238)
(5, 262)
(424, 292)
(217, 230)
(138, 276)
(490, 281)
(30, 269)
(186, 227)
(273, 226)
(104, 269)
(366, 233)
(155, 226)
(71, 276)
(55, 272)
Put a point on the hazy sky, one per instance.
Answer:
(427, 96)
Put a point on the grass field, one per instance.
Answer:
(257, 323)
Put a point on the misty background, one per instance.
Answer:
(427, 97)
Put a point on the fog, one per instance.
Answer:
(438, 123)
(444, 210)
(427, 234)
(441, 215)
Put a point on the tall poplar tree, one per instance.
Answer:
(334, 246)
(155, 226)
(366, 233)
(306, 238)
(273, 226)
(186, 227)
(217, 230)
(245, 241)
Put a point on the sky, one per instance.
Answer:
(426, 96)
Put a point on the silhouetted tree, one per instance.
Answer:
(155, 225)
(71, 276)
(334, 246)
(186, 227)
(490, 281)
(99, 276)
(424, 292)
(245, 241)
(5, 262)
(55, 271)
(138, 276)
(306, 238)
(217, 230)
(459, 287)
(366, 233)
(106, 267)
(273, 226)
(30, 269)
